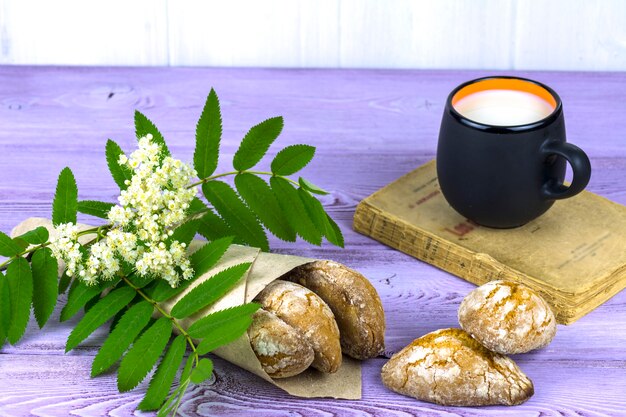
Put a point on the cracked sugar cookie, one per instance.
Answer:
(507, 317)
(449, 367)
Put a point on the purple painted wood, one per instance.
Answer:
(370, 127)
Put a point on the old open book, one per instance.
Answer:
(574, 255)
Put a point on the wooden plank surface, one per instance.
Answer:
(370, 127)
(503, 34)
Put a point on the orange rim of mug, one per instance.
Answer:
(505, 84)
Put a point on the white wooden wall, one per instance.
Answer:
(492, 34)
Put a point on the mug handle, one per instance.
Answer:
(581, 168)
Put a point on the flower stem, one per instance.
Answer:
(224, 174)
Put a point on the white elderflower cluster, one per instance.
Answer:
(155, 201)
(65, 247)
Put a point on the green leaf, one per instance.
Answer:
(45, 283)
(78, 296)
(124, 333)
(322, 221)
(209, 291)
(333, 232)
(203, 371)
(224, 335)
(207, 256)
(99, 314)
(21, 289)
(210, 225)
(208, 136)
(215, 322)
(260, 198)
(314, 209)
(120, 173)
(90, 304)
(64, 283)
(95, 208)
(143, 355)
(161, 382)
(213, 227)
(235, 213)
(294, 210)
(187, 369)
(143, 126)
(256, 143)
(65, 198)
(185, 232)
(118, 316)
(8, 247)
(170, 408)
(140, 281)
(36, 236)
(292, 159)
(160, 290)
(196, 206)
(310, 187)
(21, 242)
(5, 308)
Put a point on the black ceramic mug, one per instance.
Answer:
(502, 151)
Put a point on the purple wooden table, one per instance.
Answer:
(370, 127)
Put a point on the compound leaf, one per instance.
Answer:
(208, 136)
(260, 198)
(45, 283)
(120, 173)
(209, 291)
(203, 371)
(102, 311)
(292, 159)
(124, 333)
(5, 308)
(207, 256)
(8, 246)
(238, 216)
(294, 210)
(37, 236)
(218, 320)
(80, 293)
(65, 200)
(256, 143)
(20, 281)
(310, 187)
(320, 218)
(95, 208)
(143, 126)
(224, 334)
(161, 382)
(143, 355)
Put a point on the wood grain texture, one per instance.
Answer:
(426, 34)
(489, 34)
(370, 127)
(73, 32)
(281, 33)
(573, 34)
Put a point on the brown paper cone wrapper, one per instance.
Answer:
(265, 268)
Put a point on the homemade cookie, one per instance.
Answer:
(302, 309)
(354, 301)
(449, 367)
(281, 349)
(507, 317)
